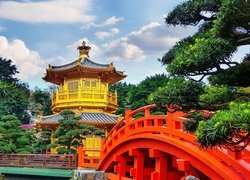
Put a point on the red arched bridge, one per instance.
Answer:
(155, 147)
(150, 147)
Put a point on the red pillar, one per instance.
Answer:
(137, 171)
(184, 165)
(160, 164)
(80, 153)
(121, 168)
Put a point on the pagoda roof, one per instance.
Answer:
(84, 62)
(55, 74)
(94, 118)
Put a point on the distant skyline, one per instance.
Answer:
(131, 34)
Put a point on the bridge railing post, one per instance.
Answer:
(128, 116)
(147, 112)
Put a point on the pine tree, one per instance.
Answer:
(12, 138)
(43, 140)
(70, 133)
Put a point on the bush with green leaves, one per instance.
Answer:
(13, 139)
(191, 124)
(178, 91)
(42, 142)
(70, 133)
(219, 95)
(227, 128)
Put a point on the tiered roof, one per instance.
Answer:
(56, 74)
(94, 118)
(83, 66)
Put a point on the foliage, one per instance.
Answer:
(219, 94)
(41, 102)
(4, 87)
(235, 76)
(8, 71)
(137, 95)
(16, 103)
(14, 94)
(124, 91)
(158, 113)
(200, 57)
(139, 115)
(224, 27)
(13, 139)
(178, 91)
(42, 142)
(140, 94)
(189, 13)
(191, 124)
(70, 133)
(227, 128)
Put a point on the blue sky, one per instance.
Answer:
(129, 33)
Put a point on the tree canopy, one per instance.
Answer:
(14, 94)
(137, 95)
(227, 128)
(12, 137)
(8, 71)
(41, 102)
(16, 102)
(224, 26)
(70, 133)
(178, 91)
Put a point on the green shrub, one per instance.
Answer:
(226, 127)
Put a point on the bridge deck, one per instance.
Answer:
(36, 171)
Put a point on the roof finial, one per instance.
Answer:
(84, 49)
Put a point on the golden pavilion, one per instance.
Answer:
(83, 86)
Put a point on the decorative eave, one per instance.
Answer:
(92, 118)
(55, 74)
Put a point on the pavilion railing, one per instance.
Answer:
(39, 160)
(86, 96)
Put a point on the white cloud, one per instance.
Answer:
(148, 40)
(109, 21)
(112, 21)
(152, 39)
(95, 50)
(53, 11)
(121, 50)
(28, 62)
(103, 35)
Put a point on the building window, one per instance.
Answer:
(73, 86)
(94, 83)
(91, 83)
(86, 83)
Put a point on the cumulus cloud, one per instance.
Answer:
(53, 11)
(151, 39)
(122, 50)
(112, 21)
(109, 21)
(148, 40)
(103, 35)
(28, 62)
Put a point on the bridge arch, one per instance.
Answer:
(155, 147)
